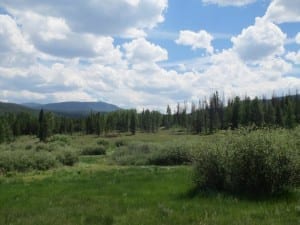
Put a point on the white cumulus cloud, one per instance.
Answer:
(201, 39)
(105, 17)
(293, 57)
(142, 51)
(229, 2)
(263, 39)
(15, 48)
(283, 11)
(298, 38)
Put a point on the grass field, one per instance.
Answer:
(96, 190)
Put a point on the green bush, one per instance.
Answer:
(26, 160)
(171, 154)
(103, 142)
(41, 147)
(260, 164)
(60, 138)
(145, 153)
(93, 150)
(28, 147)
(44, 161)
(257, 163)
(120, 143)
(67, 157)
(210, 169)
(135, 153)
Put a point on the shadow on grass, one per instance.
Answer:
(286, 195)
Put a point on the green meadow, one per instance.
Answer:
(98, 188)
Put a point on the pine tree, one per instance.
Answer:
(245, 112)
(235, 113)
(290, 119)
(46, 125)
(270, 116)
(133, 122)
(256, 113)
(42, 126)
(98, 124)
(168, 117)
(297, 107)
(279, 116)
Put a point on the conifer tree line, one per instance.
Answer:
(211, 115)
(205, 117)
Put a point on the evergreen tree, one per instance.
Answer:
(168, 117)
(42, 135)
(235, 113)
(290, 119)
(279, 116)
(46, 125)
(98, 124)
(270, 116)
(228, 114)
(246, 112)
(6, 134)
(133, 122)
(256, 113)
(297, 107)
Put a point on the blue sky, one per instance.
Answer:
(147, 53)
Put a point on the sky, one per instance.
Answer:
(147, 53)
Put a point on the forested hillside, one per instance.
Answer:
(206, 117)
(74, 109)
(14, 108)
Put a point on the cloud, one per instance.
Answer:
(283, 11)
(20, 96)
(263, 39)
(46, 56)
(14, 46)
(298, 38)
(141, 51)
(52, 35)
(201, 39)
(229, 2)
(103, 17)
(293, 57)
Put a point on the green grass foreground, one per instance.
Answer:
(96, 190)
(89, 194)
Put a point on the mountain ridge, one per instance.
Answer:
(68, 108)
(74, 106)
(8, 107)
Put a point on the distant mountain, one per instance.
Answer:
(74, 108)
(32, 105)
(14, 108)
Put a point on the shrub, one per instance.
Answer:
(67, 157)
(103, 142)
(257, 163)
(94, 150)
(25, 160)
(210, 169)
(60, 138)
(120, 143)
(41, 147)
(136, 153)
(44, 161)
(145, 153)
(171, 154)
(28, 147)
